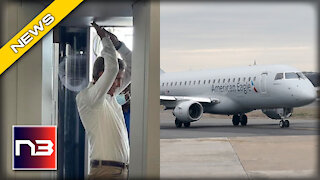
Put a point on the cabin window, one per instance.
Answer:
(278, 76)
(194, 82)
(167, 84)
(234, 79)
(254, 79)
(189, 82)
(244, 79)
(204, 81)
(175, 83)
(218, 80)
(180, 83)
(249, 79)
(199, 82)
(238, 79)
(185, 83)
(292, 75)
(214, 81)
(209, 81)
(171, 84)
(228, 80)
(162, 84)
(223, 80)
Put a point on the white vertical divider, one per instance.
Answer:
(145, 104)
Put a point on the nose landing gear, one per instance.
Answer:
(284, 123)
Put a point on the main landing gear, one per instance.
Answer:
(242, 119)
(284, 123)
(179, 123)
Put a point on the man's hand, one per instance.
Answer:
(113, 38)
(100, 31)
(103, 33)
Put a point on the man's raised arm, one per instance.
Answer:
(111, 67)
(126, 55)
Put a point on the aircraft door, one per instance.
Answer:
(263, 83)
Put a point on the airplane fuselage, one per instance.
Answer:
(242, 89)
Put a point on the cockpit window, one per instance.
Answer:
(301, 75)
(292, 75)
(279, 76)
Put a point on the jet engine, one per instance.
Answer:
(278, 113)
(188, 111)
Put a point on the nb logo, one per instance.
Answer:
(48, 147)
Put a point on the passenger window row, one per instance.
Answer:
(229, 80)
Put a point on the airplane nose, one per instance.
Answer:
(313, 95)
(308, 95)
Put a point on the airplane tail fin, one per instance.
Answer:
(161, 71)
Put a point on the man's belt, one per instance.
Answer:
(95, 163)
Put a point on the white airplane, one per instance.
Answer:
(275, 89)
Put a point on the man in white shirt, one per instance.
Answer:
(100, 113)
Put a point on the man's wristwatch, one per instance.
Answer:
(118, 47)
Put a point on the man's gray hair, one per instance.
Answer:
(99, 67)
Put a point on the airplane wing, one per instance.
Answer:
(167, 99)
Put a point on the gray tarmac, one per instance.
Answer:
(221, 126)
(213, 148)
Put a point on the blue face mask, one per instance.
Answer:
(121, 99)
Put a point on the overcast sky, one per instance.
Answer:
(209, 35)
